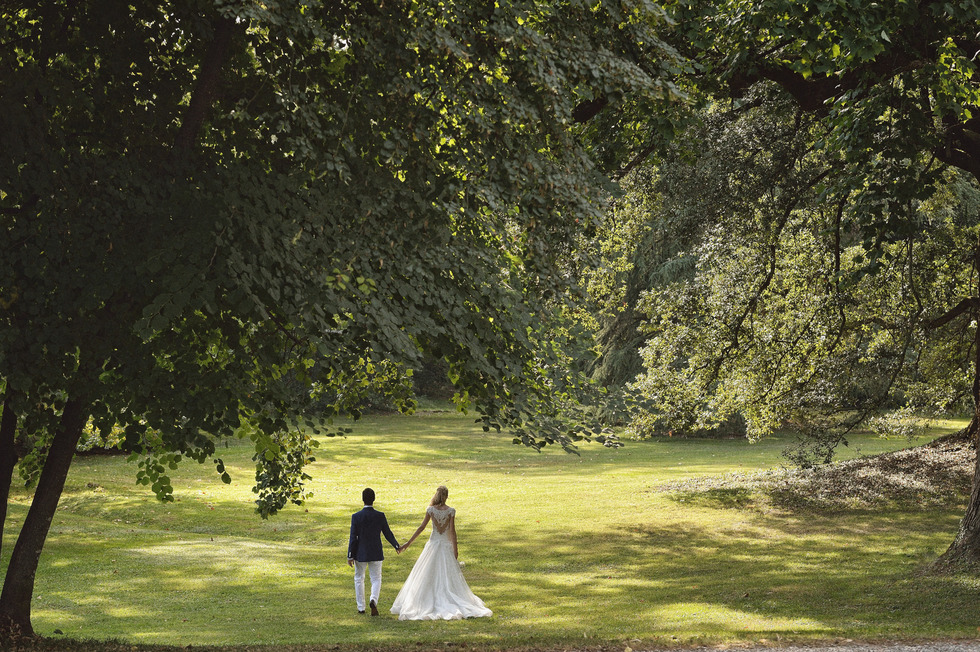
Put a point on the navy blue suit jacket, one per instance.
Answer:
(366, 528)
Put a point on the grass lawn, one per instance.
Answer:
(566, 550)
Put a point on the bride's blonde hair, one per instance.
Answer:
(441, 495)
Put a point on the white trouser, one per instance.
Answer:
(374, 568)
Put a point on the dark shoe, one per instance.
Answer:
(360, 611)
(374, 608)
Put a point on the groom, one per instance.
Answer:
(364, 549)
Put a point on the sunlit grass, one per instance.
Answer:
(567, 550)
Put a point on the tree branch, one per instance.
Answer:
(8, 454)
(636, 160)
(23, 208)
(206, 88)
(965, 305)
(810, 94)
(585, 111)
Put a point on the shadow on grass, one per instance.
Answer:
(733, 498)
(205, 571)
(787, 575)
(759, 576)
(454, 442)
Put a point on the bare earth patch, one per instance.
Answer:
(937, 473)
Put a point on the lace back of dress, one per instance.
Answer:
(440, 518)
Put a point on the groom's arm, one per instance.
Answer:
(352, 543)
(388, 535)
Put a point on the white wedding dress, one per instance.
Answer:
(436, 589)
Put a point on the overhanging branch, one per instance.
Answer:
(963, 306)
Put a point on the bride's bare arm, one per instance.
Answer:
(452, 534)
(425, 522)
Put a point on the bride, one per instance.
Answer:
(436, 589)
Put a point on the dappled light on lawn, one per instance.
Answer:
(717, 619)
(564, 549)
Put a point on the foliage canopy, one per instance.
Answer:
(829, 182)
(201, 200)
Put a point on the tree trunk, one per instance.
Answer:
(964, 552)
(8, 457)
(18, 585)
(206, 87)
(965, 549)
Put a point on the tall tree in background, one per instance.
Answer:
(198, 199)
(780, 315)
(888, 98)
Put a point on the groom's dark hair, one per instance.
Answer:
(368, 496)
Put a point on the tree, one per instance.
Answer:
(891, 93)
(199, 200)
(780, 318)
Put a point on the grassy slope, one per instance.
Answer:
(564, 549)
